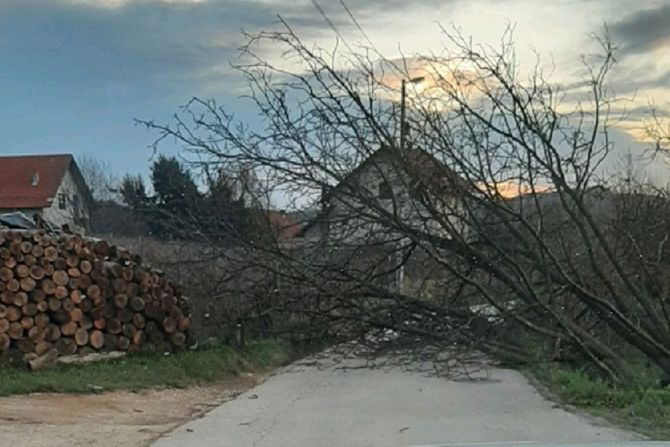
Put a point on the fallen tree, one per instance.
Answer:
(491, 185)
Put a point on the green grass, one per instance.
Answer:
(205, 365)
(640, 407)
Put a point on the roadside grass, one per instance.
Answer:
(202, 366)
(641, 406)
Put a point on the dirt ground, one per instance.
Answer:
(111, 418)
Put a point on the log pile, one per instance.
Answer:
(68, 294)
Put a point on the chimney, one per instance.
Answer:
(35, 179)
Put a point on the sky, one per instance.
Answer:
(75, 73)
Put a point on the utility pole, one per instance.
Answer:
(397, 255)
(403, 95)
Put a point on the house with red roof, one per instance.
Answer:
(48, 185)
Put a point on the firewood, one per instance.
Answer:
(66, 346)
(128, 330)
(67, 305)
(85, 267)
(25, 345)
(7, 297)
(123, 343)
(26, 247)
(137, 304)
(94, 292)
(13, 285)
(60, 316)
(170, 325)
(38, 295)
(20, 299)
(67, 294)
(5, 341)
(72, 260)
(121, 300)
(43, 347)
(43, 306)
(86, 322)
(6, 274)
(52, 332)
(97, 339)
(37, 272)
(119, 285)
(60, 277)
(81, 336)
(54, 304)
(45, 361)
(76, 314)
(98, 313)
(125, 315)
(49, 269)
(48, 286)
(61, 292)
(139, 338)
(86, 305)
(41, 320)
(38, 251)
(15, 330)
(114, 326)
(60, 264)
(84, 282)
(22, 271)
(75, 296)
(27, 322)
(36, 334)
(68, 329)
(28, 284)
(111, 341)
(12, 313)
(178, 339)
(29, 309)
(184, 324)
(139, 321)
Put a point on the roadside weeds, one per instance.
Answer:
(203, 366)
(641, 407)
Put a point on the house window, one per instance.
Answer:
(385, 190)
(62, 201)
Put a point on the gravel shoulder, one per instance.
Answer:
(110, 418)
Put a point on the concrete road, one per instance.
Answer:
(309, 404)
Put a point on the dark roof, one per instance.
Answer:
(421, 164)
(31, 181)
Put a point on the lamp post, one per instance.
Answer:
(416, 80)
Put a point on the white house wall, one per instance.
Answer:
(68, 215)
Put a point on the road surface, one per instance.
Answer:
(312, 404)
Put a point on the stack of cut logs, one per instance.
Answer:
(68, 294)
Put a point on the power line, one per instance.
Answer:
(360, 28)
(331, 24)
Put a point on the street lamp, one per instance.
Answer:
(416, 80)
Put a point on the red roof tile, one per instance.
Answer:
(16, 179)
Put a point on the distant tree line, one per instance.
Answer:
(174, 208)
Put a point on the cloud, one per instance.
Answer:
(644, 31)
